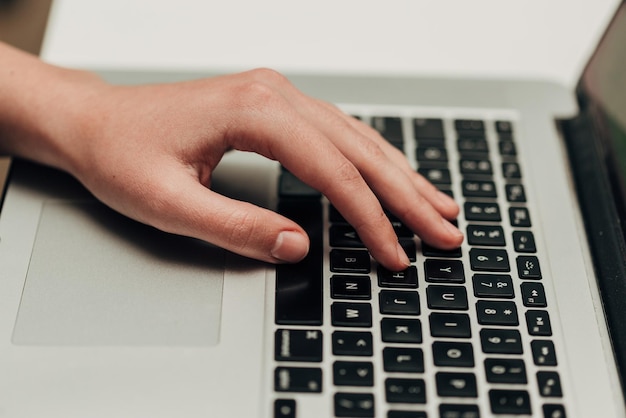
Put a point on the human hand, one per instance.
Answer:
(149, 152)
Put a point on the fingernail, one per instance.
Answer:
(452, 230)
(446, 199)
(290, 246)
(402, 256)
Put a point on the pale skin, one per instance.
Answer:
(149, 152)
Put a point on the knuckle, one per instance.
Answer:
(240, 229)
(268, 75)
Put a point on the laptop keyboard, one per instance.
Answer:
(465, 333)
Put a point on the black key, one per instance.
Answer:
(344, 314)
(431, 152)
(504, 127)
(352, 343)
(515, 193)
(291, 186)
(401, 230)
(543, 353)
(445, 271)
(549, 384)
(396, 330)
(507, 148)
(450, 325)
(458, 411)
(478, 188)
(469, 125)
(473, 167)
(349, 261)
(405, 390)
(401, 279)
(428, 128)
(524, 242)
(406, 414)
(353, 373)
(501, 341)
(528, 267)
(453, 354)
(403, 360)
(493, 286)
(350, 287)
(538, 323)
(480, 211)
(436, 175)
(495, 260)
(485, 235)
(496, 313)
(519, 217)
(344, 236)
(393, 302)
(447, 297)
(505, 370)
(511, 170)
(462, 385)
(554, 411)
(408, 245)
(472, 145)
(298, 379)
(298, 345)
(389, 128)
(514, 402)
(284, 408)
(430, 251)
(299, 290)
(354, 405)
(533, 295)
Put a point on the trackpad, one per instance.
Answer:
(97, 278)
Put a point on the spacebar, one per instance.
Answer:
(299, 291)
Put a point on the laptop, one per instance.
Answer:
(103, 317)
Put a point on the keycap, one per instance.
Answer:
(519, 217)
(291, 186)
(299, 290)
(485, 235)
(350, 287)
(479, 188)
(298, 345)
(436, 175)
(515, 193)
(445, 271)
(431, 152)
(528, 267)
(475, 167)
(345, 314)
(353, 373)
(554, 411)
(284, 408)
(400, 330)
(514, 402)
(449, 325)
(398, 390)
(501, 341)
(496, 313)
(469, 125)
(504, 126)
(394, 302)
(430, 251)
(524, 242)
(354, 405)
(458, 411)
(428, 128)
(538, 323)
(446, 297)
(493, 286)
(409, 247)
(462, 385)
(298, 379)
(549, 384)
(389, 127)
(507, 148)
(403, 360)
(352, 343)
(505, 370)
(489, 259)
(482, 211)
(472, 145)
(511, 170)
(453, 354)
(543, 353)
(400, 279)
(350, 261)
(533, 295)
(344, 236)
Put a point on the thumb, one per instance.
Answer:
(237, 226)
